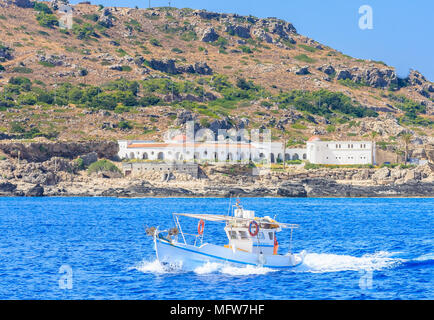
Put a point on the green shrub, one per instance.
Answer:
(22, 70)
(124, 125)
(188, 36)
(307, 48)
(298, 126)
(126, 68)
(245, 49)
(149, 101)
(84, 31)
(42, 7)
(177, 50)
(323, 102)
(46, 64)
(310, 166)
(294, 161)
(17, 128)
(121, 109)
(351, 84)
(2, 68)
(304, 58)
(331, 128)
(92, 17)
(80, 164)
(28, 99)
(101, 166)
(155, 42)
(47, 20)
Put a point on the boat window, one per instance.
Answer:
(261, 235)
(233, 234)
(243, 235)
(271, 235)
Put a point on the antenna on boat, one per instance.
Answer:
(230, 200)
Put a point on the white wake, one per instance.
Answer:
(325, 262)
(313, 262)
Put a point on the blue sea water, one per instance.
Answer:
(355, 249)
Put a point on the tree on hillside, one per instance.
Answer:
(406, 138)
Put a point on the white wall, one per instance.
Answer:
(340, 152)
(317, 152)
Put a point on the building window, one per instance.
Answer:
(233, 235)
(243, 235)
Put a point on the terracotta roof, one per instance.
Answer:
(314, 138)
(190, 145)
(180, 137)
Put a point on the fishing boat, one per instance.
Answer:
(252, 241)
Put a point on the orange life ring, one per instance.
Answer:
(200, 227)
(276, 245)
(256, 225)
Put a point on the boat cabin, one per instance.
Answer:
(245, 234)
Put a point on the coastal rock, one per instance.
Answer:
(415, 78)
(381, 174)
(52, 60)
(209, 35)
(169, 66)
(7, 188)
(41, 151)
(23, 3)
(36, 191)
(343, 75)
(184, 116)
(5, 53)
(239, 30)
(373, 76)
(106, 18)
(164, 65)
(292, 189)
(202, 68)
(223, 124)
(262, 35)
(283, 29)
(89, 158)
(302, 71)
(327, 69)
(208, 15)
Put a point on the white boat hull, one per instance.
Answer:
(175, 252)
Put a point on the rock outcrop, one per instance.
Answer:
(5, 53)
(373, 76)
(209, 35)
(169, 66)
(36, 191)
(39, 152)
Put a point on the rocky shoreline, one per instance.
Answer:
(127, 187)
(58, 170)
(301, 189)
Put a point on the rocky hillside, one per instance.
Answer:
(133, 73)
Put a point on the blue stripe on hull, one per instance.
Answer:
(225, 259)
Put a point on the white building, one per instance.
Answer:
(340, 152)
(317, 151)
(179, 149)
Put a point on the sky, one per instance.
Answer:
(402, 33)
